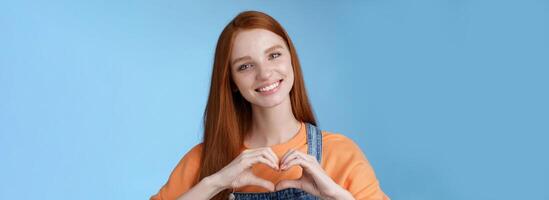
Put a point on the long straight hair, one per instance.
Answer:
(228, 116)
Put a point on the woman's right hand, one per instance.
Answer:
(238, 173)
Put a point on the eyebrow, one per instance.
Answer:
(248, 57)
(273, 48)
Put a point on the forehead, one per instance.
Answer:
(254, 41)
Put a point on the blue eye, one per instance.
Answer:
(243, 67)
(275, 55)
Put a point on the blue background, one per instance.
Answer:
(448, 99)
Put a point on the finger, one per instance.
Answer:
(306, 156)
(289, 157)
(299, 154)
(262, 159)
(272, 159)
(254, 180)
(289, 184)
(289, 153)
(298, 161)
(265, 154)
(294, 155)
(273, 154)
(267, 151)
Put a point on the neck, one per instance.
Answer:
(274, 125)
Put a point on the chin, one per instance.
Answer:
(269, 104)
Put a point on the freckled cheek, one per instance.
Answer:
(284, 66)
(244, 82)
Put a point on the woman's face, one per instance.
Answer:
(261, 67)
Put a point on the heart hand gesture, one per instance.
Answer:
(314, 179)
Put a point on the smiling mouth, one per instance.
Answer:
(270, 87)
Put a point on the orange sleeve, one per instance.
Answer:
(350, 168)
(363, 184)
(182, 177)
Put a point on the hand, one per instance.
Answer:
(238, 173)
(313, 179)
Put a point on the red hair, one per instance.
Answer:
(228, 116)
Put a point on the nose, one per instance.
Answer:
(264, 72)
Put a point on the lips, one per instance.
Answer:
(269, 86)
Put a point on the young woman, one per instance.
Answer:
(261, 139)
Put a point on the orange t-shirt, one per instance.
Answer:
(342, 160)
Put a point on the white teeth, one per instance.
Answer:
(270, 87)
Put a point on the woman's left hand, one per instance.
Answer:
(314, 179)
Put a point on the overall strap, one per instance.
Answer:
(314, 141)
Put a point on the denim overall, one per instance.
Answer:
(314, 147)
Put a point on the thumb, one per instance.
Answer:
(288, 184)
(254, 180)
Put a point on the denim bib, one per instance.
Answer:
(314, 147)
